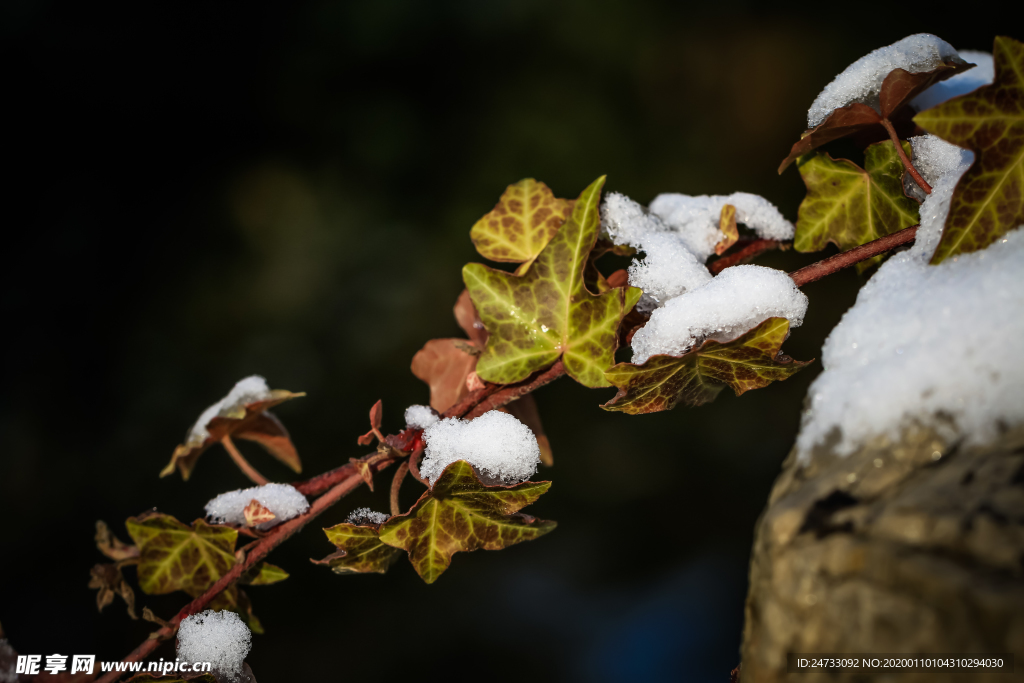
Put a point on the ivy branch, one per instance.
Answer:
(333, 485)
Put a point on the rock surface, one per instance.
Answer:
(909, 547)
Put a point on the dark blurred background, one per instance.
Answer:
(198, 192)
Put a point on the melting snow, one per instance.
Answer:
(365, 516)
(961, 84)
(251, 389)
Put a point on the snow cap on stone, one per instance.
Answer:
(283, 500)
(497, 445)
(221, 638)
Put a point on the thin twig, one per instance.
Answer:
(750, 251)
(243, 464)
(818, 270)
(903, 157)
(414, 466)
(396, 485)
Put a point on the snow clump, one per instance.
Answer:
(283, 500)
(497, 445)
(249, 390)
(982, 74)
(221, 638)
(420, 417)
(862, 80)
(677, 236)
(366, 516)
(936, 345)
(740, 298)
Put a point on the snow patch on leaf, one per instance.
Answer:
(249, 390)
(862, 80)
(283, 500)
(497, 444)
(366, 516)
(735, 301)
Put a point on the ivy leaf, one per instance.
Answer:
(248, 421)
(547, 313)
(264, 574)
(109, 581)
(751, 361)
(360, 550)
(444, 366)
(989, 199)
(525, 219)
(850, 205)
(898, 88)
(174, 556)
(459, 514)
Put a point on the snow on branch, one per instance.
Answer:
(497, 445)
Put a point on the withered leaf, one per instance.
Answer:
(751, 361)
(730, 231)
(175, 556)
(526, 217)
(360, 550)
(248, 421)
(898, 89)
(376, 414)
(111, 546)
(444, 367)
(849, 205)
(109, 581)
(256, 514)
(460, 514)
(547, 313)
(989, 199)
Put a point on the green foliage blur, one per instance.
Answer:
(199, 192)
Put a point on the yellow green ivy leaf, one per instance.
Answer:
(264, 574)
(751, 361)
(547, 313)
(460, 514)
(989, 199)
(525, 219)
(850, 205)
(360, 550)
(174, 556)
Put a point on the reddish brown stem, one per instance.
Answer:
(414, 466)
(752, 250)
(243, 464)
(903, 157)
(514, 391)
(396, 485)
(818, 270)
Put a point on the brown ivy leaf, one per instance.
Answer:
(751, 361)
(256, 514)
(444, 367)
(249, 419)
(360, 550)
(898, 88)
(460, 514)
(109, 581)
(989, 199)
(525, 410)
(266, 430)
(111, 546)
(174, 556)
(525, 219)
(469, 320)
(376, 413)
(730, 231)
